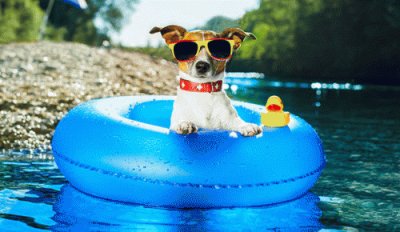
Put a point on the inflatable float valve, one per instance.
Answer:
(275, 116)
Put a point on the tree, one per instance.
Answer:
(339, 40)
(274, 24)
(90, 26)
(219, 23)
(19, 20)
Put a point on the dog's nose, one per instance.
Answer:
(202, 67)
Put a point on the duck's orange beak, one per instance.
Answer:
(274, 107)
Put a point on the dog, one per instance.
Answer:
(201, 101)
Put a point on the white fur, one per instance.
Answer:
(213, 110)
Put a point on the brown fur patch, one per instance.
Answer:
(220, 67)
(198, 35)
(183, 66)
(237, 34)
(171, 33)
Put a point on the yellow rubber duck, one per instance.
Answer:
(275, 116)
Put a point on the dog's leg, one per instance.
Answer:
(249, 129)
(244, 128)
(182, 116)
(232, 121)
(185, 127)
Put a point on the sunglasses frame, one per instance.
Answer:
(200, 44)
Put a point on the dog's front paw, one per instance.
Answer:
(186, 128)
(250, 129)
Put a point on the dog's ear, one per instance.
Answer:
(171, 33)
(237, 34)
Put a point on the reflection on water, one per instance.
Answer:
(74, 209)
(360, 184)
(29, 184)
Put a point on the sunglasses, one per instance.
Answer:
(218, 49)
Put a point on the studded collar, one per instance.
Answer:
(207, 87)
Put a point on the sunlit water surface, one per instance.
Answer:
(358, 190)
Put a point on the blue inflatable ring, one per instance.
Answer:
(120, 148)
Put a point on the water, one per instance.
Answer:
(358, 190)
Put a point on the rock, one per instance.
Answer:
(40, 82)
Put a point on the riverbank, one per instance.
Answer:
(40, 82)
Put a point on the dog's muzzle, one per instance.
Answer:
(202, 67)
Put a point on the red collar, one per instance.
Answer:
(200, 87)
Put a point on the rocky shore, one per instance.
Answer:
(40, 82)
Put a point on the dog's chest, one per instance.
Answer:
(204, 109)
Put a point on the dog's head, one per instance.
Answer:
(205, 64)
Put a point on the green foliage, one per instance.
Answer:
(219, 23)
(56, 34)
(324, 40)
(89, 26)
(19, 20)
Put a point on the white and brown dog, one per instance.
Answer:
(201, 101)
